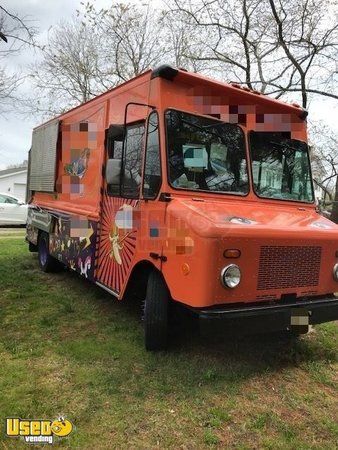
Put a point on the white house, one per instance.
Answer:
(14, 181)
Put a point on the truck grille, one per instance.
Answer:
(283, 267)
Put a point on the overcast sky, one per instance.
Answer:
(15, 130)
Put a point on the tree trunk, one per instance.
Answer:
(334, 213)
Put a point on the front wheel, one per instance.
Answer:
(156, 313)
(46, 261)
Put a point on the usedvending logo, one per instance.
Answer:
(35, 431)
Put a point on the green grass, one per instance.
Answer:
(67, 347)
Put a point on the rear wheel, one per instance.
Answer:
(46, 261)
(156, 313)
(32, 247)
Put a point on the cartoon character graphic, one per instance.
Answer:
(58, 226)
(123, 221)
(78, 167)
(84, 267)
(118, 241)
(86, 238)
(115, 245)
(61, 427)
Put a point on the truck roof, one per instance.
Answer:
(242, 92)
(100, 96)
(191, 78)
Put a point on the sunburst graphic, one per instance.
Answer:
(116, 246)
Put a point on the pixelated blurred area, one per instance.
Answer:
(79, 142)
(179, 240)
(235, 107)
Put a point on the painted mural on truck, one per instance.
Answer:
(73, 241)
(117, 245)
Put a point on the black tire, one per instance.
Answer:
(46, 261)
(156, 313)
(32, 247)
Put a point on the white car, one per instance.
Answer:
(12, 210)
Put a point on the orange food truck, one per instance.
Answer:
(191, 191)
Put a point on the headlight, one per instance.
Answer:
(231, 276)
(335, 272)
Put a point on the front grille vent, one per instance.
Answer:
(282, 267)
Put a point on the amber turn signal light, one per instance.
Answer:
(185, 269)
(232, 253)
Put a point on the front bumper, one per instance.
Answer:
(293, 316)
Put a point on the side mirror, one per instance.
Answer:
(116, 132)
(113, 171)
(20, 203)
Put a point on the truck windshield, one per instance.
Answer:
(205, 154)
(280, 167)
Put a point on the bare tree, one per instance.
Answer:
(70, 69)
(334, 213)
(324, 157)
(133, 38)
(307, 32)
(275, 48)
(94, 52)
(16, 30)
(185, 44)
(15, 34)
(237, 38)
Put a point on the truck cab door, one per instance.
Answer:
(132, 225)
(120, 211)
(153, 210)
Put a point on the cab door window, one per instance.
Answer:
(152, 168)
(132, 159)
(114, 151)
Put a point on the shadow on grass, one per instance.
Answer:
(243, 355)
(90, 327)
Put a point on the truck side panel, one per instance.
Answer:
(80, 216)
